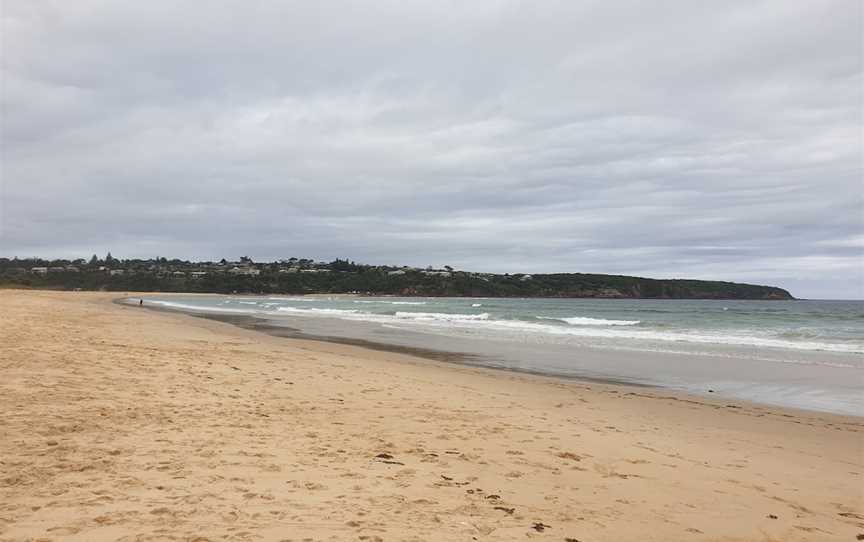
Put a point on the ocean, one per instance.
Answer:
(804, 354)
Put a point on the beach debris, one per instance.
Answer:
(710, 391)
(451, 482)
(509, 511)
(568, 539)
(851, 515)
(540, 527)
(859, 537)
(493, 497)
(387, 459)
(52, 443)
(569, 455)
(772, 516)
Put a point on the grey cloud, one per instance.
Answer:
(678, 139)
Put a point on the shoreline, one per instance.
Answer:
(124, 424)
(483, 360)
(450, 360)
(258, 324)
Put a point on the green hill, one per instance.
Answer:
(302, 276)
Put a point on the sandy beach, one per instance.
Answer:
(118, 423)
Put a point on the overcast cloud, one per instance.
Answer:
(716, 140)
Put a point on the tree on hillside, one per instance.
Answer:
(344, 265)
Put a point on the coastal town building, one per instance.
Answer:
(245, 271)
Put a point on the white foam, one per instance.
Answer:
(390, 302)
(593, 330)
(327, 312)
(441, 316)
(481, 323)
(686, 337)
(585, 321)
(198, 308)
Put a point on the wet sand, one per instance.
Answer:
(118, 423)
(462, 358)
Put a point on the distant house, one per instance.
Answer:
(56, 269)
(397, 272)
(437, 273)
(39, 270)
(244, 271)
(117, 272)
(72, 269)
(197, 274)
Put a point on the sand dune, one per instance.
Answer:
(118, 423)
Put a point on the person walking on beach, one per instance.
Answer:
(140, 302)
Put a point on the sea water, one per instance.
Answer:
(807, 354)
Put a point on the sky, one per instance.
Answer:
(674, 139)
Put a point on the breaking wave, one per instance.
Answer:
(515, 323)
(441, 316)
(197, 308)
(585, 321)
(325, 312)
(390, 302)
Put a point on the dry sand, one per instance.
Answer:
(118, 423)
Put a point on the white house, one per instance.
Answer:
(246, 271)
